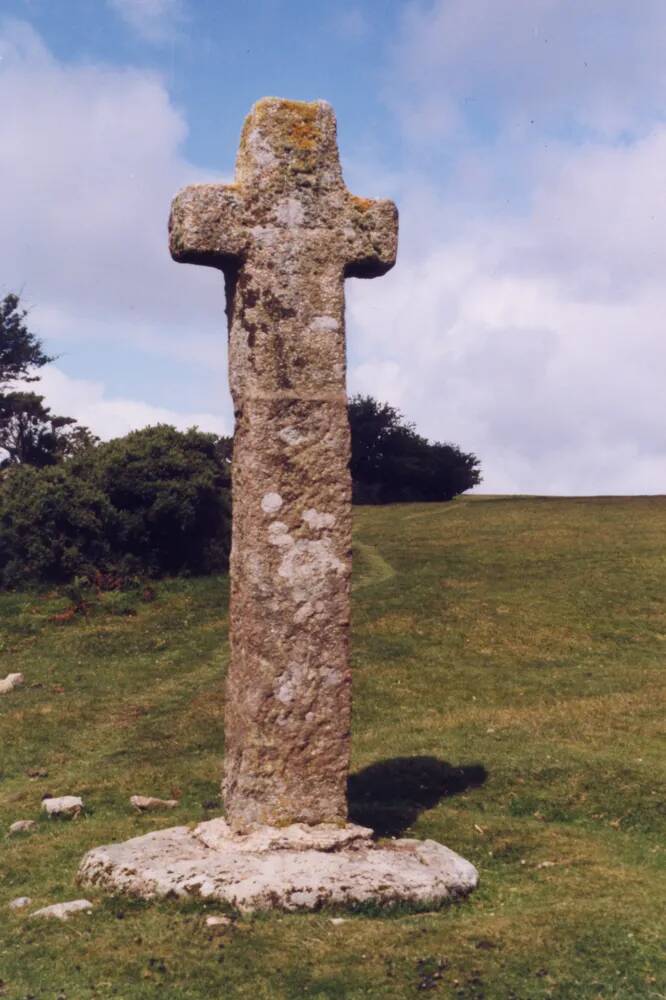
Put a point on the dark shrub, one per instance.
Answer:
(169, 491)
(153, 502)
(391, 463)
(54, 525)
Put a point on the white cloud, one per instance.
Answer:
(109, 416)
(153, 20)
(535, 341)
(529, 64)
(531, 336)
(90, 161)
(524, 319)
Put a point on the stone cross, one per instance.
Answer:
(286, 233)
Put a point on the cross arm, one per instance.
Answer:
(206, 225)
(372, 237)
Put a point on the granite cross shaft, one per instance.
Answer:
(286, 234)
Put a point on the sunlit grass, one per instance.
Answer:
(508, 660)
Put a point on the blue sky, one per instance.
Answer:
(523, 140)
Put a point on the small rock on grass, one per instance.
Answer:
(218, 921)
(147, 803)
(65, 805)
(10, 682)
(22, 826)
(20, 903)
(336, 921)
(63, 911)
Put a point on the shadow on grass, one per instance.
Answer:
(389, 795)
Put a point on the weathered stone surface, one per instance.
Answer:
(10, 682)
(69, 806)
(147, 803)
(216, 833)
(20, 903)
(22, 826)
(63, 911)
(286, 233)
(177, 862)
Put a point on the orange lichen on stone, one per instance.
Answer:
(302, 128)
(362, 204)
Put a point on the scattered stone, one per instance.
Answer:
(179, 862)
(546, 864)
(336, 921)
(10, 682)
(65, 806)
(20, 903)
(34, 773)
(22, 826)
(147, 803)
(63, 911)
(218, 921)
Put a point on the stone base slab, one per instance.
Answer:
(291, 868)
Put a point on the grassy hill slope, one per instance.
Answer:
(508, 659)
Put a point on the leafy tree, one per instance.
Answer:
(392, 463)
(170, 491)
(31, 435)
(53, 526)
(154, 502)
(20, 350)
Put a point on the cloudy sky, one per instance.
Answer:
(523, 140)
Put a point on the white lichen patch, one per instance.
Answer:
(330, 677)
(317, 520)
(290, 682)
(271, 502)
(309, 566)
(291, 436)
(260, 149)
(267, 236)
(278, 534)
(304, 612)
(290, 212)
(323, 324)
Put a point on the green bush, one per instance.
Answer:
(54, 524)
(153, 502)
(170, 491)
(391, 463)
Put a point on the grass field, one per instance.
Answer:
(508, 659)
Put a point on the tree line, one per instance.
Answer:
(157, 501)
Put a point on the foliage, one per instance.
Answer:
(522, 636)
(391, 463)
(31, 435)
(54, 525)
(170, 492)
(153, 502)
(20, 350)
